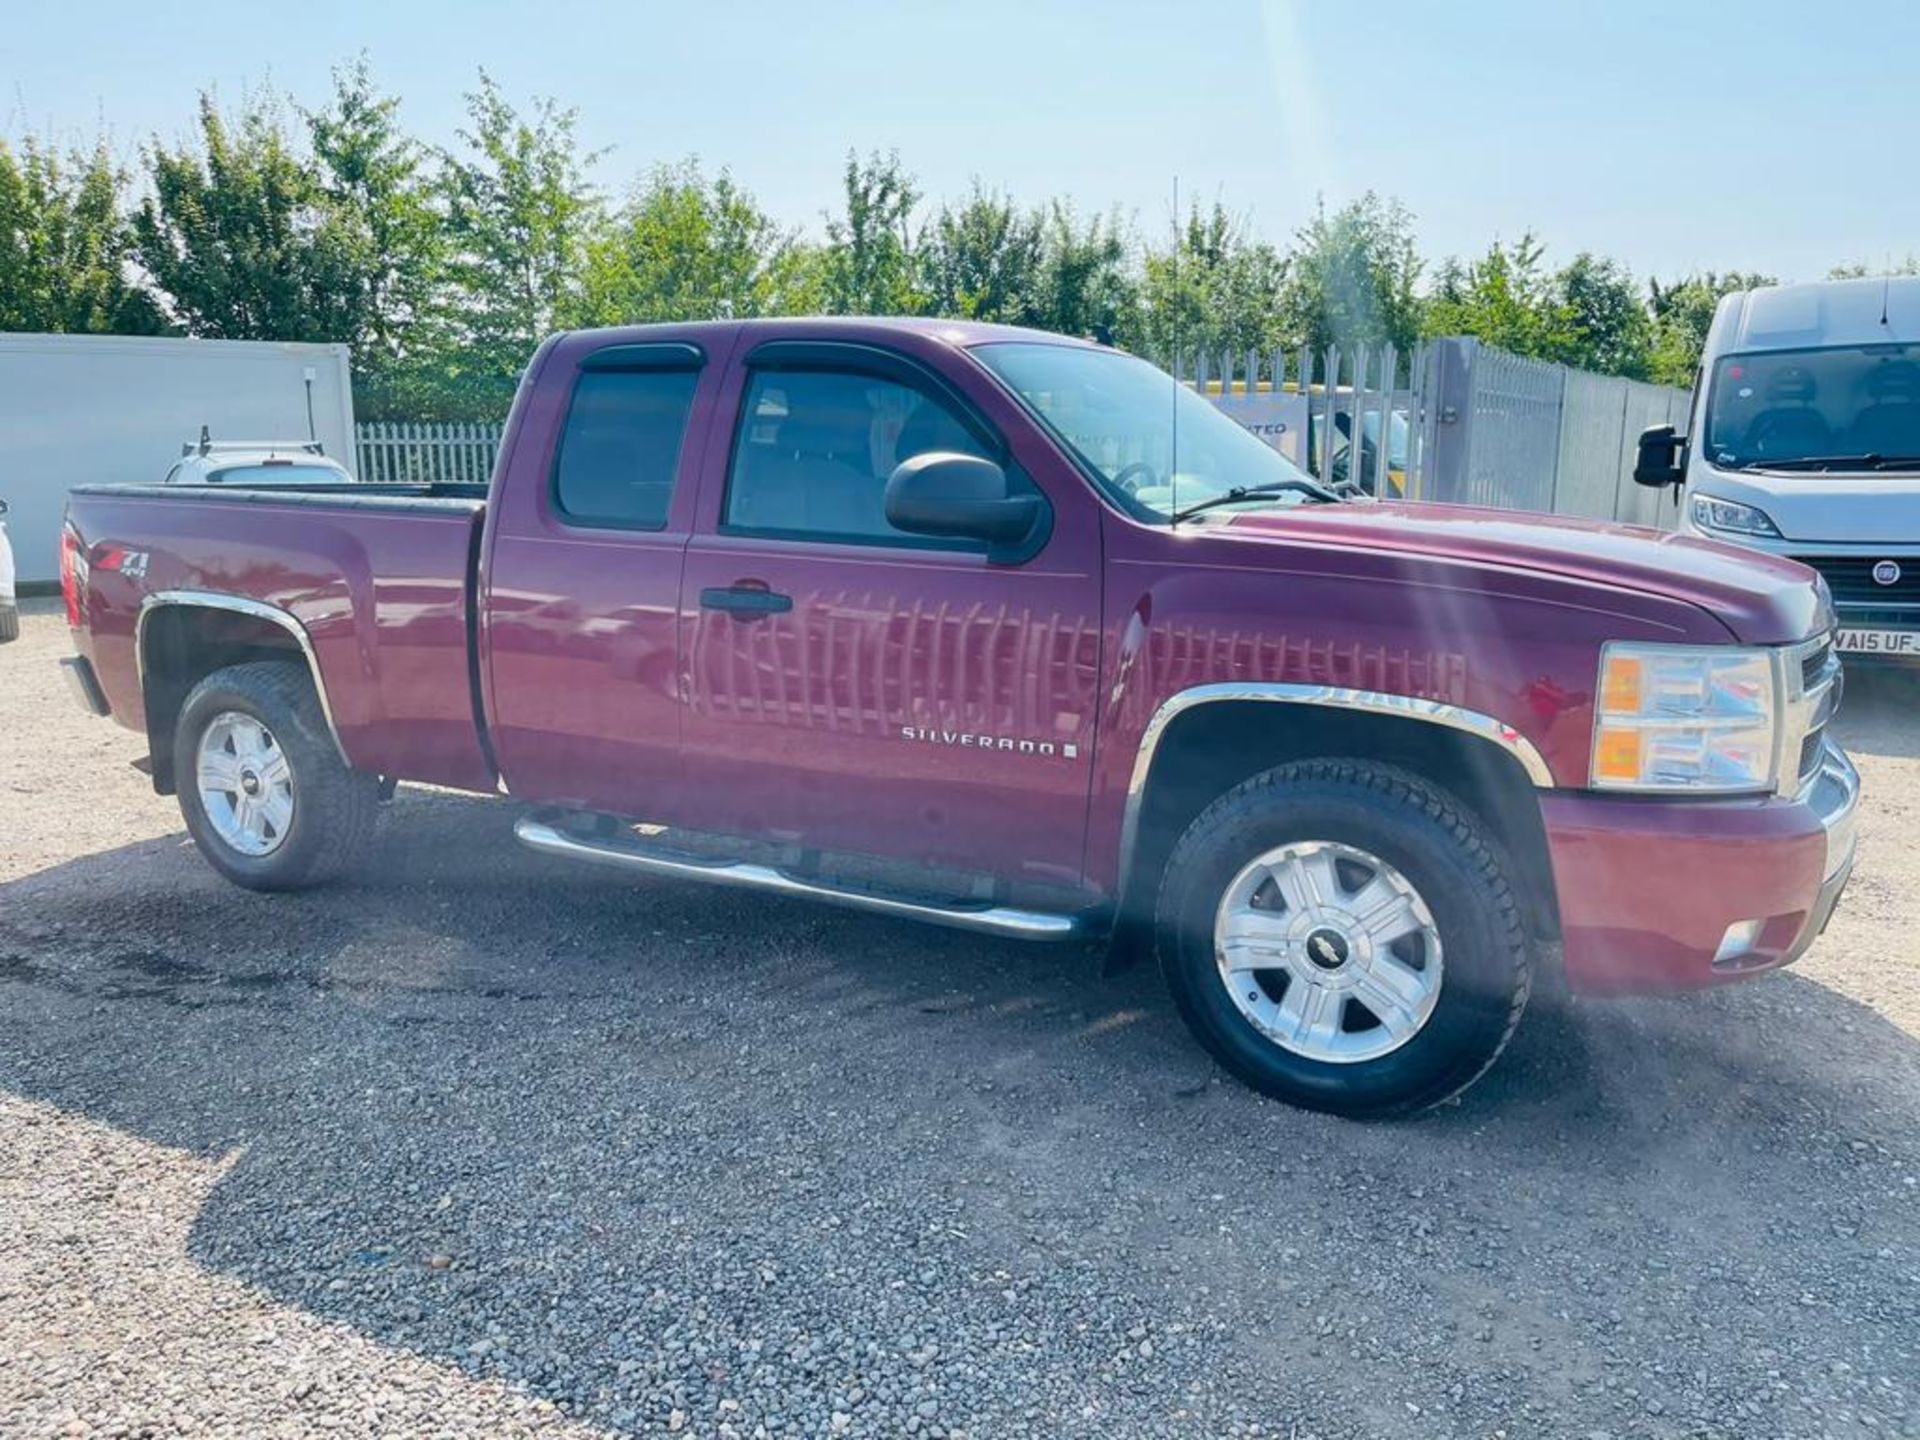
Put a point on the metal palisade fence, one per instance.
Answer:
(426, 452)
(1501, 429)
(1462, 422)
(1309, 404)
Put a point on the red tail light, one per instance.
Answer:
(70, 563)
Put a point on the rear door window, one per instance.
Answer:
(620, 447)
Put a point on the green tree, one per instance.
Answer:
(239, 237)
(689, 248)
(383, 196)
(982, 260)
(64, 245)
(1860, 270)
(1682, 314)
(1608, 327)
(1351, 278)
(1506, 298)
(1213, 289)
(869, 266)
(520, 213)
(1085, 285)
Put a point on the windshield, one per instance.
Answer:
(1849, 408)
(1121, 416)
(276, 474)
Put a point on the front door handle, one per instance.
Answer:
(748, 602)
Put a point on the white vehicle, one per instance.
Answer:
(1806, 442)
(9, 610)
(256, 462)
(107, 409)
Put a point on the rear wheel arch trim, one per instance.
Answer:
(1375, 702)
(238, 605)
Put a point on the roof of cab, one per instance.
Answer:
(1884, 310)
(961, 333)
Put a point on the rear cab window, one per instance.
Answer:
(619, 447)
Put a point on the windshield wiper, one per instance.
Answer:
(1256, 492)
(1871, 460)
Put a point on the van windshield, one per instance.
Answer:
(1849, 409)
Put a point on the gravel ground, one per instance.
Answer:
(481, 1144)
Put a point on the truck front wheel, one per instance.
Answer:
(1342, 935)
(265, 794)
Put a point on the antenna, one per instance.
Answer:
(1173, 445)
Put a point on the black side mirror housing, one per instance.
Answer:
(1661, 460)
(955, 496)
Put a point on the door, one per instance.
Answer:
(582, 577)
(851, 687)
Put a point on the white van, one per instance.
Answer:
(1806, 442)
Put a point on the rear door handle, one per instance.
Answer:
(745, 601)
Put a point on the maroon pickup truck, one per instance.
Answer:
(1009, 632)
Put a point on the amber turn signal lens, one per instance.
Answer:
(1620, 686)
(1616, 754)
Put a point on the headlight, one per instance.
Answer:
(1731, 517)
(1680, 717)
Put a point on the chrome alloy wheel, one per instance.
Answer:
(1330, 952)
(245, 783)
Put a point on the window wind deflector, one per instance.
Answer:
(652, 355)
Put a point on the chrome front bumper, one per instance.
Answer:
(1835, 797)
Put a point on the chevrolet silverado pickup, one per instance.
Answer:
(1009, 632)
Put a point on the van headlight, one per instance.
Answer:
(1684, 717)
(1730, 517)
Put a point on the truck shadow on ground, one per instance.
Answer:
(663, 1134)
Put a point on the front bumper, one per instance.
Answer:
(1665, 894)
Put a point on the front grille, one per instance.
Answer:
(1813, 662)
(1850, 578)
(1812, 708)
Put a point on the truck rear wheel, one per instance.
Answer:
(1342, 935)
(265, 794)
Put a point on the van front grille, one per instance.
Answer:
(1850, 578)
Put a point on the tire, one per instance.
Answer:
(9, 621)
(327, 820)
(1454, 984)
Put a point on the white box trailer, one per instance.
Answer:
(77, 409)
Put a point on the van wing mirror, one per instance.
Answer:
(1662, 457)
(945, 493)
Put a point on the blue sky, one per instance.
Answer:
(1675, 136)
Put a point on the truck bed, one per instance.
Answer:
(379, 577)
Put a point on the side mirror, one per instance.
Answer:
(1659, 461)
(946, 493)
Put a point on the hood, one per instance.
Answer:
(1762, 599)
(1823, 509)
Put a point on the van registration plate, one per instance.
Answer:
(1878, 642)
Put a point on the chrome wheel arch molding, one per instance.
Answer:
(1373, 702)
(238, 605)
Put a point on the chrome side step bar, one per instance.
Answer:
(541, 830)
